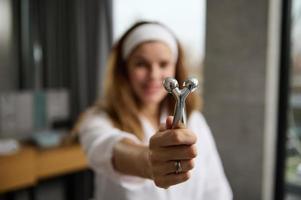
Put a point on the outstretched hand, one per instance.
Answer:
(167, 147)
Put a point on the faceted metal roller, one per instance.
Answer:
(171, 85)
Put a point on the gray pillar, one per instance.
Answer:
(234, 89)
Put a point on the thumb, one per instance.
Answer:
(169, 121)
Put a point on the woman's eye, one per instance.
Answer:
(140, 64)
(163, 64)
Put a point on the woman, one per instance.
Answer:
(135, 157)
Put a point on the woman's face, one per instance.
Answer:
(148, 65)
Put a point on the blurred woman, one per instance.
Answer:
(127, 135)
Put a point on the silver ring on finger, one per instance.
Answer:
(178, 167)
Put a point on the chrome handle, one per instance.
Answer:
(171, 86)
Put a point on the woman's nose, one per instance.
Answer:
(155, 71)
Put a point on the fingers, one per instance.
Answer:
(168, 124)
(163, 167)
(169, 121)
(168, 168)
(171, 179)
(174, 153)
(173, 137)
(168, 146)
(162, 127)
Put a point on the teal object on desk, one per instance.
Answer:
(47, 139)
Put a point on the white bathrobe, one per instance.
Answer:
(207, 182)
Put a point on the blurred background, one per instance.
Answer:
(53, 55)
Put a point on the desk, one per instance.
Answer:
(30, 164)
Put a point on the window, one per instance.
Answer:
(185, 18)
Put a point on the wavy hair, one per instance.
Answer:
(119, 101)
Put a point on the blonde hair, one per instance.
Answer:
(119, 101)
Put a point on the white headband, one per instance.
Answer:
(149, 32)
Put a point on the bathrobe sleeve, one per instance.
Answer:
(98, 138)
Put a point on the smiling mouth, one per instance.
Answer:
(152, 89)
